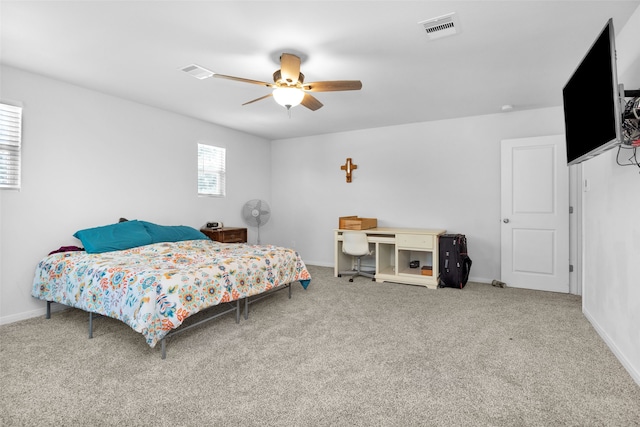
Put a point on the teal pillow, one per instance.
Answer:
(114, 237)
(172, 233)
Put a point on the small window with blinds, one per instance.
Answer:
(211, 170)
(10, 145)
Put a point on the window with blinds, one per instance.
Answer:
(211, 170)
(10, 145)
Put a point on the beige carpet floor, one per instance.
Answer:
(337, 354)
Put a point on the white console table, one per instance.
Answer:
(394, 249)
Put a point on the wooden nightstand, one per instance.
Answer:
(226, 234)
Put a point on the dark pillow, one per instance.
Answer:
(114, 237)
(172, 233)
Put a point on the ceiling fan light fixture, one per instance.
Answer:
(288, 85)
(288, 96)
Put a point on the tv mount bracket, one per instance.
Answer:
(627, 93)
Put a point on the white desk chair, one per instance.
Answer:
(356, 244)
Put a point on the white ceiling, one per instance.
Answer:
(508, 52)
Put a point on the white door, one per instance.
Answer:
(535, 213)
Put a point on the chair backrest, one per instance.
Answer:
(355, 243)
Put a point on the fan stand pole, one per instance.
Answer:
(258, 234)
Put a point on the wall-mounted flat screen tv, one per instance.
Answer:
(592, 103)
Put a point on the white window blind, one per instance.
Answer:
(211, 170)
(10, 145)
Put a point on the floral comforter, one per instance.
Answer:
(154, 288)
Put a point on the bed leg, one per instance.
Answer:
(237, 311)
(164, 348)
(90, 325)
(246, 308)
(289, 290)
(48, 316)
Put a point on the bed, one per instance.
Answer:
(155, 287)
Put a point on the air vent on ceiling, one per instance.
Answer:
(442, 26)
(197, 71)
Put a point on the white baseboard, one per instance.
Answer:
(325, 264)
(4, 320)
(480, 280)
(635, 374)
(319, 264)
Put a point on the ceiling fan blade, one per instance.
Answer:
(311, 102)
(290, 67)
(240, 79)
(335, 85)
(258, 99)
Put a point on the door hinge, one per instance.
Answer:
(570, 209)
(570, 268)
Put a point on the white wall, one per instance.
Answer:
(611, 245)
(443, 174)
(611, 226)
(89, 159)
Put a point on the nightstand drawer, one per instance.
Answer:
(238, 235)
(227, 235)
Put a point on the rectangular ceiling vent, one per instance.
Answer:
(442, 26)
(197, 71)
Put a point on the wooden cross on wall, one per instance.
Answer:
(348, 167)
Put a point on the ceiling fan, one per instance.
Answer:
(289, 88)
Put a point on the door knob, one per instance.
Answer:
(506, 220)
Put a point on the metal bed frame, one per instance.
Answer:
(256, 298)
(187, 327)
(235, 307)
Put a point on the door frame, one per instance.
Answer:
(576, 232)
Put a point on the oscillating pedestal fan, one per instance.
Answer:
(255, 213)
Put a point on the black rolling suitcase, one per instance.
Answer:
(454, 262)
